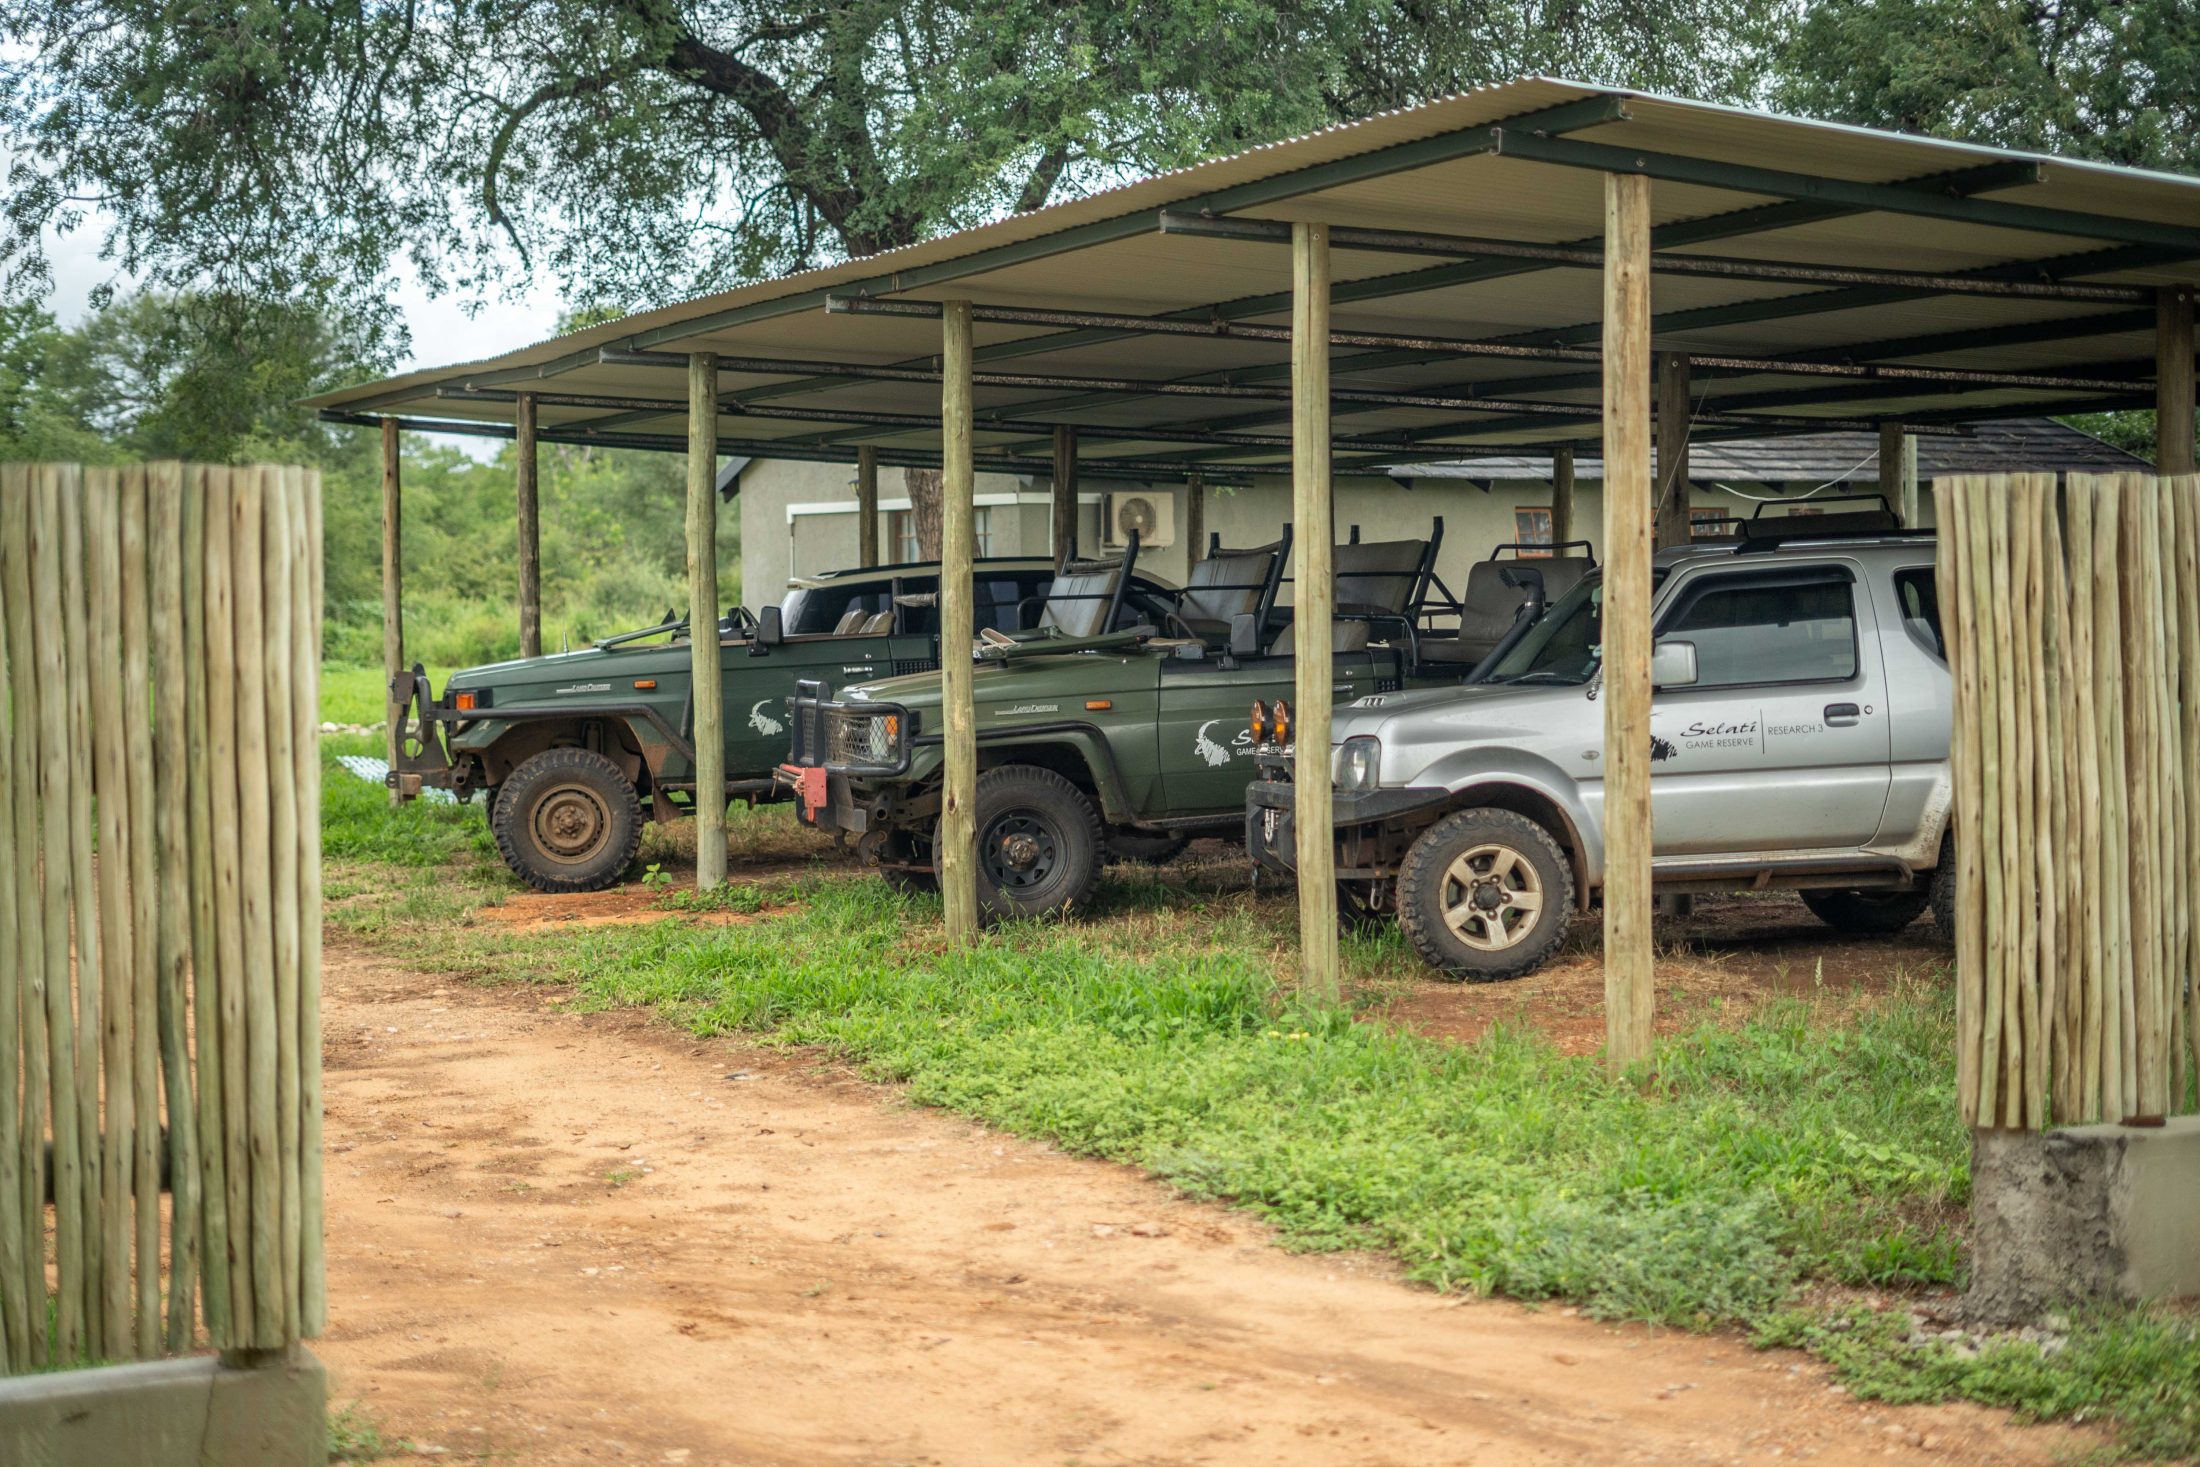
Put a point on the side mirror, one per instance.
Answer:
(771, 630)
(1673, 665)
(1245, 634)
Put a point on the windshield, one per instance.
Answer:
(1567, 646)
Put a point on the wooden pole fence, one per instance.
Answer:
(2072, 613)
(160, 630)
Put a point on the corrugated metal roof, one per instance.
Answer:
(2004, 446)
(1516, 162)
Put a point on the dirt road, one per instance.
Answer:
(581, 1239)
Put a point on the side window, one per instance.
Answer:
(1920, 601)
(1778, 628)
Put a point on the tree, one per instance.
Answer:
(2114, 80)
(642, 150)
(637, 150)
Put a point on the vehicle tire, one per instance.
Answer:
(1143, 848)
(1867, 913)
(902, 846)
(567, 820)
(1485, 895)
(1038, 844)
(1943, 892)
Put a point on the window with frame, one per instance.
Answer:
(1712, 524)
(1532, 526)
(1761, 629)
(1919, 597)
(901, 528)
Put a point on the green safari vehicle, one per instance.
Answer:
(1123, 742)
(573, 751)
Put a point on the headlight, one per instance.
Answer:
(1360, 763)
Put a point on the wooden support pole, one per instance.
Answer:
(2173, 380)
(1562, 495)
(1674, 414)
(958, 838)
(171, 655)
(204, 603)
(1898, 473)
(78, 750)
(22, 1209)
(393, 585)
(59, 730)
(143, 986)
(530, 527)
(1065, 494)
(1195, 519)
(867, 505)
(1313, 597)
(707, 674)
(1628, 993)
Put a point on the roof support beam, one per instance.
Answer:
(1757, 219)
(1712, 267)
(1141, 470)
(1315, 591)
(1868, 197)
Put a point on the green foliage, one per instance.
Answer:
(613, 551)
(354, 1435)
(2136, 1368)
(2099, 79)
(637, 151)
(1502, 1167)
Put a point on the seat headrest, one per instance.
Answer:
(1379, 574)
(1077, 602)
(851, 621)
(1225, 586)
(879, 623)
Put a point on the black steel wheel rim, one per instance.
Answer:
(571, 824)
(1022, 851)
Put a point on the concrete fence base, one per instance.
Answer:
(2092, 1212)
(170, 1413)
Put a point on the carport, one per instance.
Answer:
(1530, 266)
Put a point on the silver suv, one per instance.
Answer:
(1799, 739)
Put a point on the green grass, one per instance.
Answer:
(354, 1435)
(353, 695)
(1807, 1148)
(1503, 1167)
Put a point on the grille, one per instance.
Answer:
(859, 738)
(906, 666)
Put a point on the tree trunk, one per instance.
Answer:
(924, 509)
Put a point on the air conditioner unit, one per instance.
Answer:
(1152, 513)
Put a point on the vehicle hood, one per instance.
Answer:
(1460, 715)
(1044, 683)
(595, 672)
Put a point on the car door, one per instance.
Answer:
(1781, 743)
(1206, 721)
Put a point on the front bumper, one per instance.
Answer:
(1271, 831)
(836, 744)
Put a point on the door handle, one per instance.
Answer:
(1841, 715)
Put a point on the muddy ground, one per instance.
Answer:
(564, 1239)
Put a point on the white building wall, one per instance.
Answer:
(799, 518)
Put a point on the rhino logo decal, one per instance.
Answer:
(1659, 748)
(763, 722)
(1215, 755)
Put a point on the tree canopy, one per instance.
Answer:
(636, 150)
(2115, 80)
